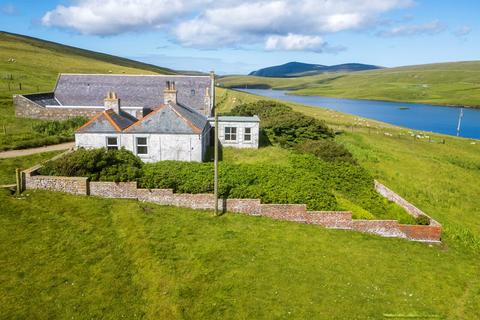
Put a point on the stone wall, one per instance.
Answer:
(26, 108)
(289, 212)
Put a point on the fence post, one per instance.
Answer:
(18, 179)
(20, 86)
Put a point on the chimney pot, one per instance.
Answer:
(170, 93)
(112, 102)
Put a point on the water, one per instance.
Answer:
(422, 117)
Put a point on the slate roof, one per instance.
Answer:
(106, 122)
(133, 90)
(170, 118)
(235, 119)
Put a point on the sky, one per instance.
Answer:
(236, 37)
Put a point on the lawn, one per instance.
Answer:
(67, 256)
(455, 83)
(8, 165)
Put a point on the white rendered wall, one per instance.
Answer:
(240, 142)
(181, 147)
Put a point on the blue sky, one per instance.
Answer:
(231, 36)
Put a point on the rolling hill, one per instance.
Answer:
(299, 69)
(453, 83)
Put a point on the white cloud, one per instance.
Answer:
(429, 28)
(217, 23)
(299, 42)
(463, 31)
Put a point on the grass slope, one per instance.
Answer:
(456, 83)
(441, 179)
(8, 165)
(37, 65)
(64, 256)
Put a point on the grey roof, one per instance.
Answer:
(106, 122)
(171, 118)
(235, 119)
(133, 90)
(43, 99)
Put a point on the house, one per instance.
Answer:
(156, 117)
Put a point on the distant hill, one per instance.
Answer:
(451, 83)
(299, 69)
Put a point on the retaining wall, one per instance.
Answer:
(289, 212)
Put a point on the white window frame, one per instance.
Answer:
(141, 145)
(230, 134)
(245, 134)
(112, 146)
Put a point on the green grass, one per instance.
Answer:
(454, 83)
(441, 179)
(37, 65)
(64, 256)
(8, 165)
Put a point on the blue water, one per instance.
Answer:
(422, 117)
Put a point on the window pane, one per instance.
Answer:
(142, 141)
(247, 137)
(142, 150)
(248, 130)
(111, 141)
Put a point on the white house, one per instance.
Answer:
(179, 128)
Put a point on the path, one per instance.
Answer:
(27, 152)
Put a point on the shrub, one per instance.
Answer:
(97, 164)
(327, 150)
(282, 125)
(422, 220)
(60, 127)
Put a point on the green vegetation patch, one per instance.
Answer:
(8, 165)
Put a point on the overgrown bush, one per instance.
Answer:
(283, 125)
(97, 164)
(60, 127)
(422, 220)
(327, 150)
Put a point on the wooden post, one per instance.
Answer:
(9, 89)
(19, 182)
(20, 86)
(215, 146)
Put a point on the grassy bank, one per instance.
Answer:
(8, 166)
(34, 68)
(455, 83)
(89, 258)
(441, 179)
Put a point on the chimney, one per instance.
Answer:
(170, 93)
(112, 102)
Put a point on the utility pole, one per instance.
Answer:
(215, 146)
(459, 122)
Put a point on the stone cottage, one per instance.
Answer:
(156, 117)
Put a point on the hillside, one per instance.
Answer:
(299, 69)
(455, 83)
(29, 65)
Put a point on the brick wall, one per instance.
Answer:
(25, 108)
(289, 212)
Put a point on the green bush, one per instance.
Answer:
(60, 127)
(327, 150)
(97, 164)
(422, 220)
(282, 125)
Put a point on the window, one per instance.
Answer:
(142, 145)
(112, 143)
(230, 133)
(247, 135)
(192, 92)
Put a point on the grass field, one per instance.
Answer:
(36, 66)
(8, 165)
(439, 178)
(456, 83)
(64, 256)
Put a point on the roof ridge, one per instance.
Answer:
(109, 118)
(147, 116)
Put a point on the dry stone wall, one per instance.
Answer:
(26, 108)
(289, 212)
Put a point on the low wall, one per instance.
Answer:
(26, 108)
(289, 212)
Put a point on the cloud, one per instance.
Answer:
(8, 9)
(429, 28)
(221, 23)
(298, 42)
(463, 31)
